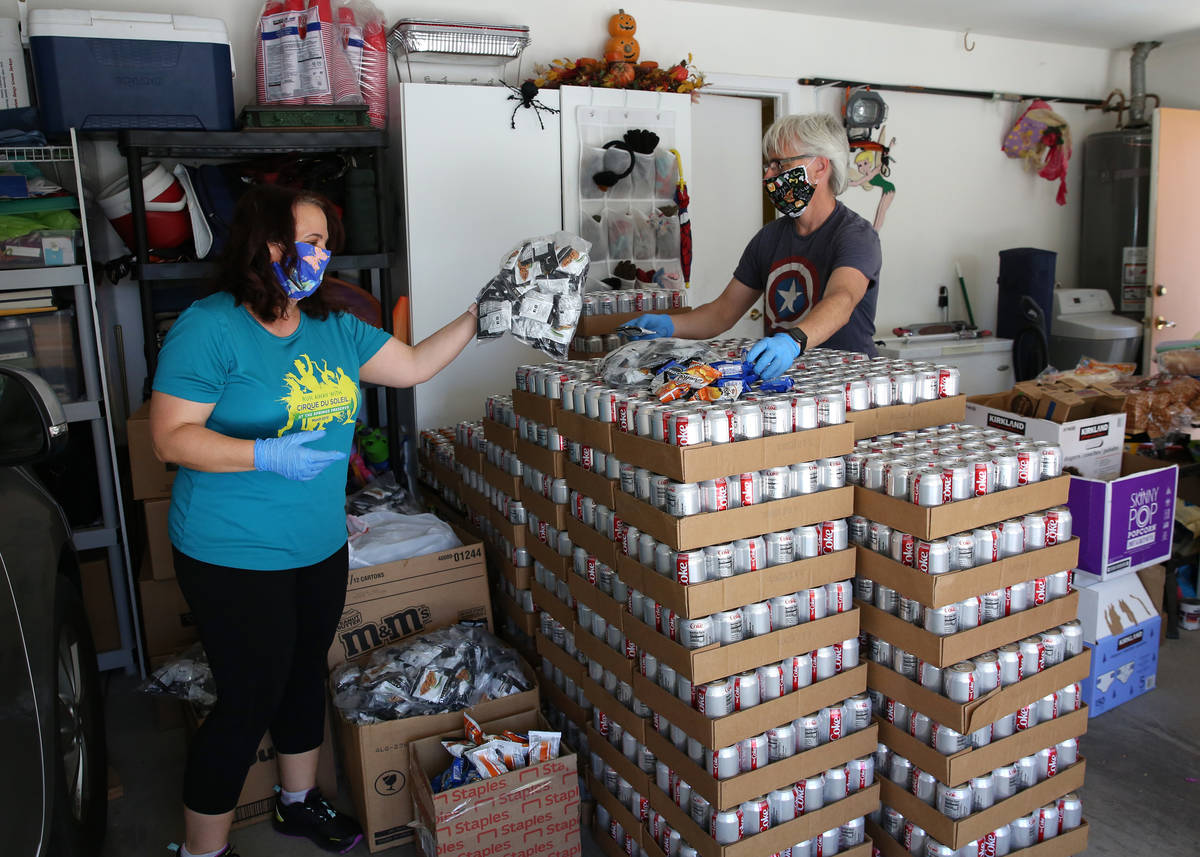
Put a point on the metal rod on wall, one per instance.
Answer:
(934, 90)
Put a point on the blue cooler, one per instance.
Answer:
(110, 70)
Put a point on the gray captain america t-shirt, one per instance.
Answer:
(792, 271)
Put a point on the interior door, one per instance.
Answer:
(1173, 302)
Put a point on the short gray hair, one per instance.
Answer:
(816, 134)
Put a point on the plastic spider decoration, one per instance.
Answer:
(526, 97)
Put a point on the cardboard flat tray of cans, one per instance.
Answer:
(600, 324)
(549, 603)
(967, 717)
(708, 528)
(556, 564)
(1065, 844)
(870, 422)
(960, 767)
(957, 833)
(697, 460)
(472, 458)
(944, 519)
(582, 429)
(707, 597)
(944, 651)
(593, 541)
(600, 488)
(534, 407)
(942, 588)
(772, 840)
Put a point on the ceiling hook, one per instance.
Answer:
(967, 47)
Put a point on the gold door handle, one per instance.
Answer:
(755, 315)
(1160, 290)
(1160, 323)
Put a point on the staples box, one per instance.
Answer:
(1092, 445)
(532, 810)
(1124, 521)
(1121, 627)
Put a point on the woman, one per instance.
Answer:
(255, 398)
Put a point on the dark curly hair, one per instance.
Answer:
(265, 215)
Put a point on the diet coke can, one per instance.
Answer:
(726, 826)
(1058, 525)
(959, 682)
(942, 621)
(747, 488)
(1072, 637)
(804, 478)
(797, 671)
(1007, 470)
(781, 742)
(933, 557)
(770, 682)
(780, 547)
(749, 555)
(777, 482)
(954, 802)
(714, 495)
(1012, 538)
(745, 690)
(724, 763)
(728, 627)
(756, 619)
(753, 753)
(718, 562)
(962, 551)
(784, 611)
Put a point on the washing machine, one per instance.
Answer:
(1084, 325)
(984, 364)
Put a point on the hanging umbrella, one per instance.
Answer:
(685, 223)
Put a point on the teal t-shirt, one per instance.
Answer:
(264, 386)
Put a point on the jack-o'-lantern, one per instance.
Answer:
(622, 49)
(622, 24)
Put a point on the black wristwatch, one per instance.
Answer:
(800, 336)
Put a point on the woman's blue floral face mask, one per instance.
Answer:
(311, 262)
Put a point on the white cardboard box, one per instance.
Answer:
(1112, 607)
(1093, 445)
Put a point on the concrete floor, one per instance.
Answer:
(1143, 779)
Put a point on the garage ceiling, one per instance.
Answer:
(1092, 23)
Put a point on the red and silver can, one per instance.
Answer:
(1009, 657)
(726, 827)
(683, 499)
(864, 589)
(987, 544)
(930, 676)
(857, 710)
(880, 651)
(1006, 781)
(718, 425)
(1070, 812)
(715, 699)
(718, 562)
(858, 395)
(749, 555)
(756, 619)
(812, 604)
(776, 415)
(947, 382)
(728, 627)
(993, 604)
(933, 557)
(747, 421)
(1073, 637)
(904, 388)
(860, 774)
(808, 731)
(914, 839)
(1026, 772)
(886, 599)
(747, 488)
(753, 753)
(920, 726)
(1050, 459)
(824, 663)
(1033, 656)
(983, 792)
(1039, 591)
(686, 428)
(777, 482)
(1047, 822)
(804, 413)
(954, 802)
(899, 472)
(781, 742)
(714, 495)
(831, 407)
(1058, 585)
(839, 597)
(960, 475)
(745, 690)
(851, 834)
(904, 548)
(1068, 752)
(962, 551)
(905, 663)
(900, 771)
(1012, 538)
(781, 805)
(770, 682)
(1069, 698)
(927, 487)
(874, 473)
(1024, 831)
(1007, 470)
(1054, 646)
(855, 459)
(959, 682)
(880, 387)
(781, 547)
(880, 537)
(696, 633)
(725, 763)
(927, 384)
(785, 611)
(1016, 598)
(836, 785)
(688, 566)
(797, 671)
(1047, 708)
(969, 610)
(806, 542)
(1034, 526)
(1028, 465)
(983, 474)
(987, 672)
(834, 536)
(942, 621)
(805, 478)
(1058, 525)
(896, 713)
(831, 473)
(845, 655)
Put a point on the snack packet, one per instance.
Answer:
(543, 746)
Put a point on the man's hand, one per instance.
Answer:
(660, 325)
(773, 355)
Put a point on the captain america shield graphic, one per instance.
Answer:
(792, 287)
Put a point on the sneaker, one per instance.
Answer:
(178, 849)
(317, 820)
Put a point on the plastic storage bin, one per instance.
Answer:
(111, 70)
(45, 343)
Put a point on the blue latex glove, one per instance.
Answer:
(774, 355)
(290, 458)
(660, 324)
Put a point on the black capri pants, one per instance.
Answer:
(266, 634)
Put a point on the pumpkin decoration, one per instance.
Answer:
(622, 47)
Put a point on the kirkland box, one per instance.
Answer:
(1092, 445)
(1121, 627)
(1124, 522)
(111, 70)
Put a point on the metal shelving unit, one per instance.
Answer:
(90, 413)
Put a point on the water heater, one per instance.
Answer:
(1113, 245)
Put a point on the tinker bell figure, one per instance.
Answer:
(873, 163)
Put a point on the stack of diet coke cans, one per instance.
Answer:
(1054, 819)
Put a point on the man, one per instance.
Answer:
(817, 267)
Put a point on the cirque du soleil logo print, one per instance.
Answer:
(317, 396)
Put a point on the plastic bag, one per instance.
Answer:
(666, 174)
(538, 294)
(1179, 357)
(633, 364)
(446, 670)
(386, 536)
(187, 676)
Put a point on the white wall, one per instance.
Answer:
(958, 197)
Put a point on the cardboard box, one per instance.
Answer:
(166, 617)
(1125, 522)
(712, 596)
(534, 407)
(949, 650)
(614, 711)
(548, 602)
(471, 458)
(500, 434)
(938, 590)
(728, 730)
(777, 838)
(390, 602)
(1121, 629)
(532, 810)
(895, 418)
(541, 552)
(160, 559)
(376, 761)
(710, 460)
(600, 652)
(956, 834)
(1154, 581)
(595, 543)
(712, 528)
(717, 661)
(543, 459)
(589, 432)
(99, 604)
(506, 482)
(934, 522)
(598, 325)
(256, 801)
(553, 514)
(974, 762)
(966, 717)
(1064, 845)
(149, 477)
(526, 623)
(727, 794)
(1091, 445)
(599, 488)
